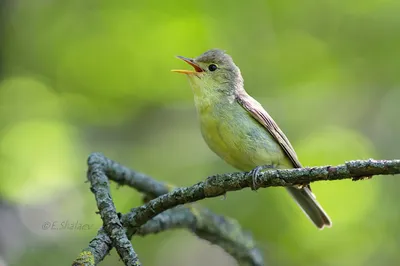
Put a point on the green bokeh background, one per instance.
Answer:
(85, 76)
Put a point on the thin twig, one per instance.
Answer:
(219, 230)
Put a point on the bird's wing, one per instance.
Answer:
(258, 113)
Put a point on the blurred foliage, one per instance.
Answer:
(84, 76)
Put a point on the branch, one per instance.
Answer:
(112, 224)
(98, 248)
(218, 230)
(220, 184)
(125, 176)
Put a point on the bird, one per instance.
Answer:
(239, 130)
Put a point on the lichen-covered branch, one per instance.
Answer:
(161, 212)
(125, 176)
(219, 230)
(101, 244)
(111, 222)
(220, 184)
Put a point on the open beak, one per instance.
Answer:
(196, 67)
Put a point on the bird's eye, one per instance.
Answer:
(212, 67)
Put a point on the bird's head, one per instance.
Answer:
(214, 72)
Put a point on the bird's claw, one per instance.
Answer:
(357, 178)
(254, 174)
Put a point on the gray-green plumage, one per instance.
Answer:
(238, 129)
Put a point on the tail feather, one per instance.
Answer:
(308, 203)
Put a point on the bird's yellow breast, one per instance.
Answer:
(234, 135)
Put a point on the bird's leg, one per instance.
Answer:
(254, 174)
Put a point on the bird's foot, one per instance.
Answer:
(254, 174)
(357, 178)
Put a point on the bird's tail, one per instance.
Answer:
(308, 203)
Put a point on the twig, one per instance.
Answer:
(218, 185)
(111, 223)
(219, 230)
(125, 176)
(98, 247)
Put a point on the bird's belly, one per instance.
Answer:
(240, 140)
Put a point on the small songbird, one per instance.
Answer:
(238, 129)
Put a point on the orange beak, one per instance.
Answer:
(196, 67)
